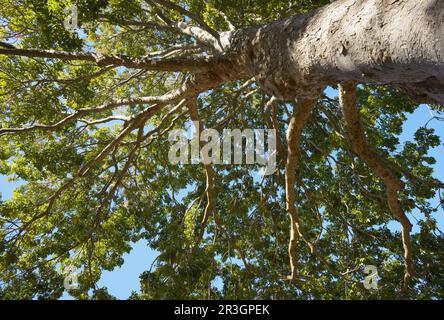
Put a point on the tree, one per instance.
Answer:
(85, 116)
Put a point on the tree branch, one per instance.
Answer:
(172, 65)
(210, 208)
(356, 134)
(297, 122)
(170, 97)
(189, 14)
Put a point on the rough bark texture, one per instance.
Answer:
(297, 123)
(393, 184)
(399, 42)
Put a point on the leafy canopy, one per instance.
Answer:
(55, 220)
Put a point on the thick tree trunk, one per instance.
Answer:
(399, 42)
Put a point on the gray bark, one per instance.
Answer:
(397, 42)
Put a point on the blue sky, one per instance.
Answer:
(122, 281)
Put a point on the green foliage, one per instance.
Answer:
(92, 226)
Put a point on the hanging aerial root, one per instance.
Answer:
(211, 207)
(297, 122)
(376, 162)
